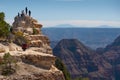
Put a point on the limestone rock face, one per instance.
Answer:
(37, 61)
(43, 61)
(2, 49)
(26, 24)
(32, 32)
(30, 56)
(6, 47)
(33, 65)
(14, 47)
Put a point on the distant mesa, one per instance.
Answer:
(63, 26)
(73, 26)
(105, 26)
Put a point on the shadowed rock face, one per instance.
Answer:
(81, 60)
(76, 57)
(113, 46)
(112, 52)
(112, 55)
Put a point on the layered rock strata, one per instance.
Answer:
(37, 61)
(32, 32)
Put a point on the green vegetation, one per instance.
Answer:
(20, 38)
(35, 31)
(60, 66)
(7, 64)
(2, 16)
(4, 27)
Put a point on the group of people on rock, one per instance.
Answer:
(26, 12)
(23, 12)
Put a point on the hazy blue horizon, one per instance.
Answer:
(85, 13)
(91, 37)
(72, 26)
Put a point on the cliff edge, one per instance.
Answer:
(36, 61)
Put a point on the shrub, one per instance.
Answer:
(60, 66)
(2, 16)
(4, 27)
(35, 31)
(8, 64)
(20, 39)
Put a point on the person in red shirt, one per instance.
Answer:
(24, 47)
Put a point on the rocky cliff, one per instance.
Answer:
(81, 61)
(31, 65)
(112, 55)
(31, 30)
(37, 61)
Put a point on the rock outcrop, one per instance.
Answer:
(32, 32)
(32, 65)
(37, 61)
(81, 61)
(112, 55)
(75, 56)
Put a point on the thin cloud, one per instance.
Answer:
(81, 23)
(77, 23)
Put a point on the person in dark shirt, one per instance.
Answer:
(29, 13)
(24, 47)
(26, 10)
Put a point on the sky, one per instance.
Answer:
(80, 13)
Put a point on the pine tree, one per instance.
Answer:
(4, 26)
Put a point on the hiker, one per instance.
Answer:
(24, 47)
(26, 10)
(18, 14)
(29, 13)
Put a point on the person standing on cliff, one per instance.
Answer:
(26, 10)
(29, 13)
(22, 13)
(18, 14)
